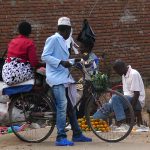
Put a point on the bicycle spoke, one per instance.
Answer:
(107, 129)
(38, 117)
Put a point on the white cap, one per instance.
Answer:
(64, 21)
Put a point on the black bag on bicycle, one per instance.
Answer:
(2, 61)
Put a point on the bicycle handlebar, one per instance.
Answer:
(80, 66)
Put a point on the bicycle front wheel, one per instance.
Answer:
(32, 117)
(107, 129)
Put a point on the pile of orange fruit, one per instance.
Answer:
(97, 124)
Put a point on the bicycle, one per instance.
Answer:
(96, 101)
(32, 113)
(39, 107)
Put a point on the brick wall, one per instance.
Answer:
(122, 27)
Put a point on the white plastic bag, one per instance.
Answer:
(18, 115)
(3, 111)
(4, 99)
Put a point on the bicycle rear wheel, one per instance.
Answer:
(33, 115)
(107, 130)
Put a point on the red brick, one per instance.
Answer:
(128, 40)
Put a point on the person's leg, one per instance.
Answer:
(73, 118)
(138, 105)
(61, 108)
(81, 110)
(118, 106)
(103, 112)
(77, 133)
(115, 105)
(84, 98)
(137, 111)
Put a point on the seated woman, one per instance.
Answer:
(21, 57)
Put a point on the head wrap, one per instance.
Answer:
(86, 35)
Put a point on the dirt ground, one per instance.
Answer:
(138, 141)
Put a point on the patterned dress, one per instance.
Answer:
(16, 71)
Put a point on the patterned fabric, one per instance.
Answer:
(91, 65)
(16, 71)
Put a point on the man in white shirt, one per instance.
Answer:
(132, 83)
(133, 89)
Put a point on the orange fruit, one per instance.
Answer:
(96, 123)
(83, 122)
(87, 129)
(101, 126)
(98, 126)
(108, 128)
(105, 125)
(80, 119)
(82, 126)
(103, 129)
(104, 122)
(100, 121)
(91, 120)
(92, 123)
(86, 125)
